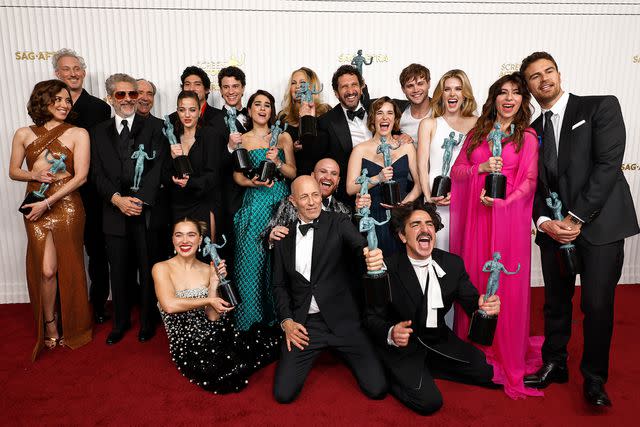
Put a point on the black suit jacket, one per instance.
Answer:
(108, 168)
(590, 180)
(333, 240)
(89, 111)
(408, 303)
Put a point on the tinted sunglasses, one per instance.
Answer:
(119, 95)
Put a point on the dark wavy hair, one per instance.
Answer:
(178, 128)
(197, 71)
(371, 117)
(341, 71)
(44, 95)
(201, 226)
(252, 98)
(400, 215)
(485, 122)
(232, 71)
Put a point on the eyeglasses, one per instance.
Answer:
(119, 95)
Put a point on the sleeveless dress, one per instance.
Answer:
(65, 222)
(506, 228)
(386, 239)
(436, 153)
(252, 268)
(213, 354)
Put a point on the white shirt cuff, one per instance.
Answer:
(389, 340)
(540, 221)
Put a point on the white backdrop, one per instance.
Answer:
(595, 44)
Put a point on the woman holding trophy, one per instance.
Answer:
(296, 105)
(202, 339)
(387, 162)
(192, 191)
(485, 225)
(269, 149)
(454, 109)
(57, 156)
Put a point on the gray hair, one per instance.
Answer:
(110, 83)
(153, 87)
(66, 52)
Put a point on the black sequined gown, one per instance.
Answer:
(213, 354)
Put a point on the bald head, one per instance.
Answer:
(327, 174)
(306, 198)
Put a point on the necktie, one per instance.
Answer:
(358, 113)
(429, 271)
(304, 228)
(549, 152)
(325, 202)
(124, 133)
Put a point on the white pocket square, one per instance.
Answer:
(580, 123)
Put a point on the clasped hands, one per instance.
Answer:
(130, 206)
(564, 231)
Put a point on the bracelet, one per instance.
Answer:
(47, 202)
(279, 165)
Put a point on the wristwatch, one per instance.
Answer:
(575, 220)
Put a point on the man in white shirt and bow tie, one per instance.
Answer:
(409, 333)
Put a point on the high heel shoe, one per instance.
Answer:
(50, 342)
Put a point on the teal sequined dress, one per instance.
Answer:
(252, 270)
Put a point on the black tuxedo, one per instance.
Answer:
(113, 173)
(592, 186)
(337, 325)
(88, 112)
(431, 352)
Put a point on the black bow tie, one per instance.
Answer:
(359, 113)
(304, 228)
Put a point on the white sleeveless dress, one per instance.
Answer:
(436, 153)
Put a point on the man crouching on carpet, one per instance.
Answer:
(410, 335)
(313, 300)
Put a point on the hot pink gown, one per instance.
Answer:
(505, 227)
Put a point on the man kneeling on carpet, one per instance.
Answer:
(314, 304)
(410, 334)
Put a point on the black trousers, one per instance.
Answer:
(426, 398)
(355, 349)
(602, 267)
(121, 250)
(94, 244)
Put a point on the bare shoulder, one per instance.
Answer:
(24, 135)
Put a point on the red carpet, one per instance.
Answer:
(133, 383)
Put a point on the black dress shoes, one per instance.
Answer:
(116, 336)
(595, 394)
(550, 372)
(100, 316)
(146, 334)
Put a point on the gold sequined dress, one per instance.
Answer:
(65, 221)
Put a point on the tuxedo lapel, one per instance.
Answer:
(409, 279)
(564, 149)
(319, 239)
(341, 127)
(542, 172)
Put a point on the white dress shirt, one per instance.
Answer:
(119, 120)
(358, 128)
(558, 109)
(304, 250)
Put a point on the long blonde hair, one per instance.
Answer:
(290, 109)
(469, 104)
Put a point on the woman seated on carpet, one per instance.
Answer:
(203, 341)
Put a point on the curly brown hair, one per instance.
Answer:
(375, 106)
(42, 96)
(485, 123)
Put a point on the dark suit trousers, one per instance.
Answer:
(120, 250)
(94, 244)
(426, 399)
(602, 267)
(355, 349)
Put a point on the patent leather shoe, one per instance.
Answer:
(115, 336)
(550, 372)
(146, 334)
(595, 393)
